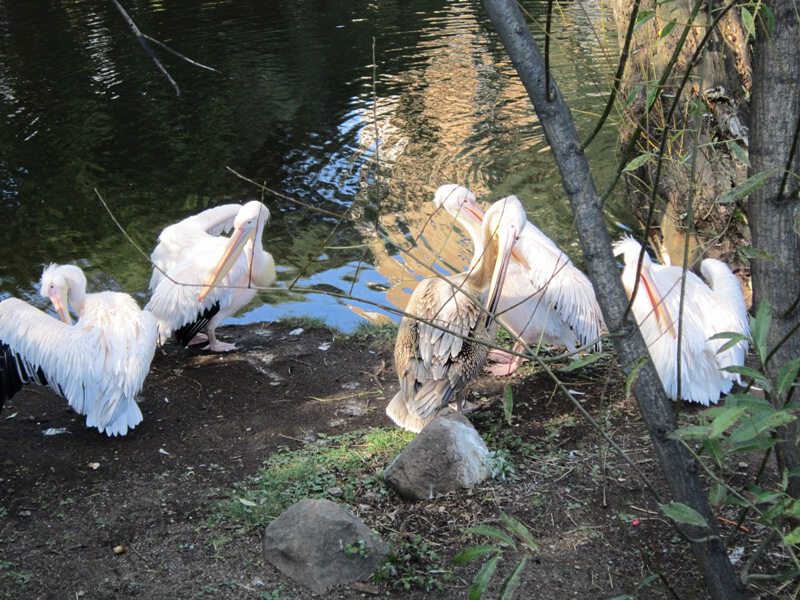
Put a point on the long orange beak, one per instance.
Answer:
(229, 258)
(60, 306)
(663, 318)
(506, 250)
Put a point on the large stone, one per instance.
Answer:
(320, 544)
(447, 455)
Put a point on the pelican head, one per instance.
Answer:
(461, 203)
(248, 224)
(503, 222)
(630, 249)
(58, 281)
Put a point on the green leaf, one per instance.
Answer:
(748, 22)
(717, 495)
(753, 444)
(745, 188)
(725, 420)
(652, 93)
(766, 12)
(680, 513)
(738, 152)
(732, 337)
(642, 18)
(666, 29)
(633, 94)
(473, 552)
(690, 432)
(483, 577)
(518, 528)
(793, 537)
(512, 583)
(753, 374)
(574, 365)
(773, 421)
(751, 401)
(759, 329)
(247, 502)
(508, 403)
(494, 533)
(788, 375)
(751, 252)
(637, 162)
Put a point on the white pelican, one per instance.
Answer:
(706, 312)
(98, 365)
(208, 277)
(433, 365)
(546, 298)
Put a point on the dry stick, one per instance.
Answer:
(678, 468)
(178, 54)
(140, 36)
(623, 60)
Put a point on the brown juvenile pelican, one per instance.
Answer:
(209, 277)
(708, 309)
(437, 354)
(546, 300)
(99, 364)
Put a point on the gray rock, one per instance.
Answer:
(447, 455)
(320, 544)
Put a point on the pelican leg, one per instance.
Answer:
(463, 406)
(214, 345)
(199, 338)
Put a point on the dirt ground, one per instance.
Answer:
(68, 500)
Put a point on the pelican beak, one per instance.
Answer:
(474, 212)
(505, 252)
(663, 318)
(229, 257)
(60, 306)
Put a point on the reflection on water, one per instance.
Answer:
(294, 106)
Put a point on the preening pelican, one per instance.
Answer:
(434, 365)
(706, 312)
(98, 365)
(209, 278)
(546, 298)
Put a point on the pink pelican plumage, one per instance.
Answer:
(440, 351)
(98, 365)
(709, 309)
(546, 298)
(206, 277)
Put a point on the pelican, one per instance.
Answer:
(546, 298)
(98, 365)
(207, 277)
(708, 309)
(433, 365)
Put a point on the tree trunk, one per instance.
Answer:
(774, 209)
(696, 168)
(559, 128)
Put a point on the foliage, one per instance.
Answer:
(333, 466)
(747, 423)
(413, 563)
(511, 537)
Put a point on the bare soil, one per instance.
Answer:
(67, 501)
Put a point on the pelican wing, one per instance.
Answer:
(181, 239)
(175, 300)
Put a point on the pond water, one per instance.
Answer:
(296, 103)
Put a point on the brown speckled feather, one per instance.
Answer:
(434, 365)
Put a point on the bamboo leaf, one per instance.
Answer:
(717, 495)
(753, 374)
(631, 378)
(738, 152)
(642, 18)
(690, 432)
(745, 188)
(519, 529)
(508, 403)
(793, 537)
(725, 420)
(583, 361)
(748, 22)
(680, 513)
(494, 533)
(759, 328)
(637, 162)
(483, 577)
(773, 421)
(788, 375)
(732, 337)
(751, 252)
(473, 552)
(512, 583)
(666, 29)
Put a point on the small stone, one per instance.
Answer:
(335, 491)
(120, 549)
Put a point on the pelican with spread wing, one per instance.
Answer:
(709, 309)
(441, 344)
(546, 298)
(206, 277)
(99, 364)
